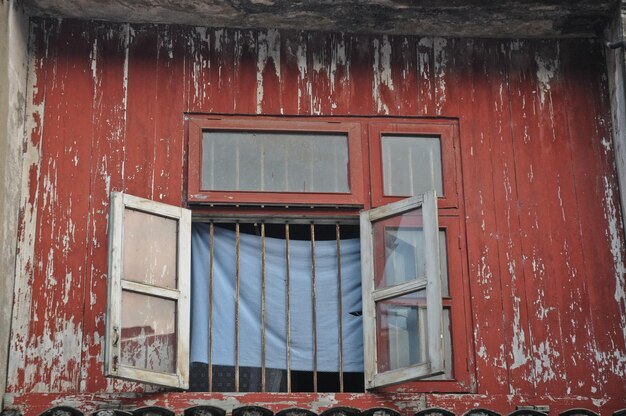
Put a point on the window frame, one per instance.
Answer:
(431, 283)
(197, 125)
(366, 135)
(446, 130)
(119, 202)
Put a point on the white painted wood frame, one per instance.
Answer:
(431, 282)
(181, 294)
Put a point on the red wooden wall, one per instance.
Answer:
(544, 236)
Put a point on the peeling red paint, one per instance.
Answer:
(544, 239)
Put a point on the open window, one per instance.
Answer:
(290, 293)
(148, 297)
(401, 284)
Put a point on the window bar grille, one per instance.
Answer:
(263, 305)
(313, 302)
(340, 305)
(287, 283)
(211, 244)
(237, 236)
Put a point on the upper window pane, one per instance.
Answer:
(411, 165)
(275, 161)
(149, 249)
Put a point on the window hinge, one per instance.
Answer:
(116, 336)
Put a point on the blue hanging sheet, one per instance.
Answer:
(250, 315)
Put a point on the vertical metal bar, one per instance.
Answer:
(288, 308)
(263, 313)
(262, 165)
(311, 176)
(314, 318)
(411, 173)
(286, 169)
(211, 241)
(237, 236)
(336, 167)
(339, 305)
(237, 164)
(212, 164)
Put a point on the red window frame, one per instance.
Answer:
(446, 130)
(198, 125)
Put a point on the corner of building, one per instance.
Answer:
(13, 81)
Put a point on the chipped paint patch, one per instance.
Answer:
(617, 248)
(547, 68)
(441, 63)
(382, 73)
(545, 353)
(268, 54)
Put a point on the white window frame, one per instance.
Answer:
(431, 282)
(119, 203)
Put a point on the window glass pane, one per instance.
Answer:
(398, 245)
(399, 251)
(275, 161)
(149, 249)
(411, 165)
(401, 331)
(148, 334)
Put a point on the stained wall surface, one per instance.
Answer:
(545, 246)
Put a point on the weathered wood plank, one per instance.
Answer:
(361, 62)
(169, 107)
(564, 225)
(294, 87)
(140, 150)
(268, 76)
(536, 193)
(220, 89)
(58, 285)
(512, 65)
(600, 225)
(482, 230)
(42, 64)
(245, 72)
(110, 72)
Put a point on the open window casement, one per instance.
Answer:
(148, 298)
(402, 304)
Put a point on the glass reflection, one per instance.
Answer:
(401, 331)
(148, 334)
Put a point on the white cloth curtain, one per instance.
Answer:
(250, 315)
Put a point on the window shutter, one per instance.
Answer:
(147, 338)
(402, 304)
